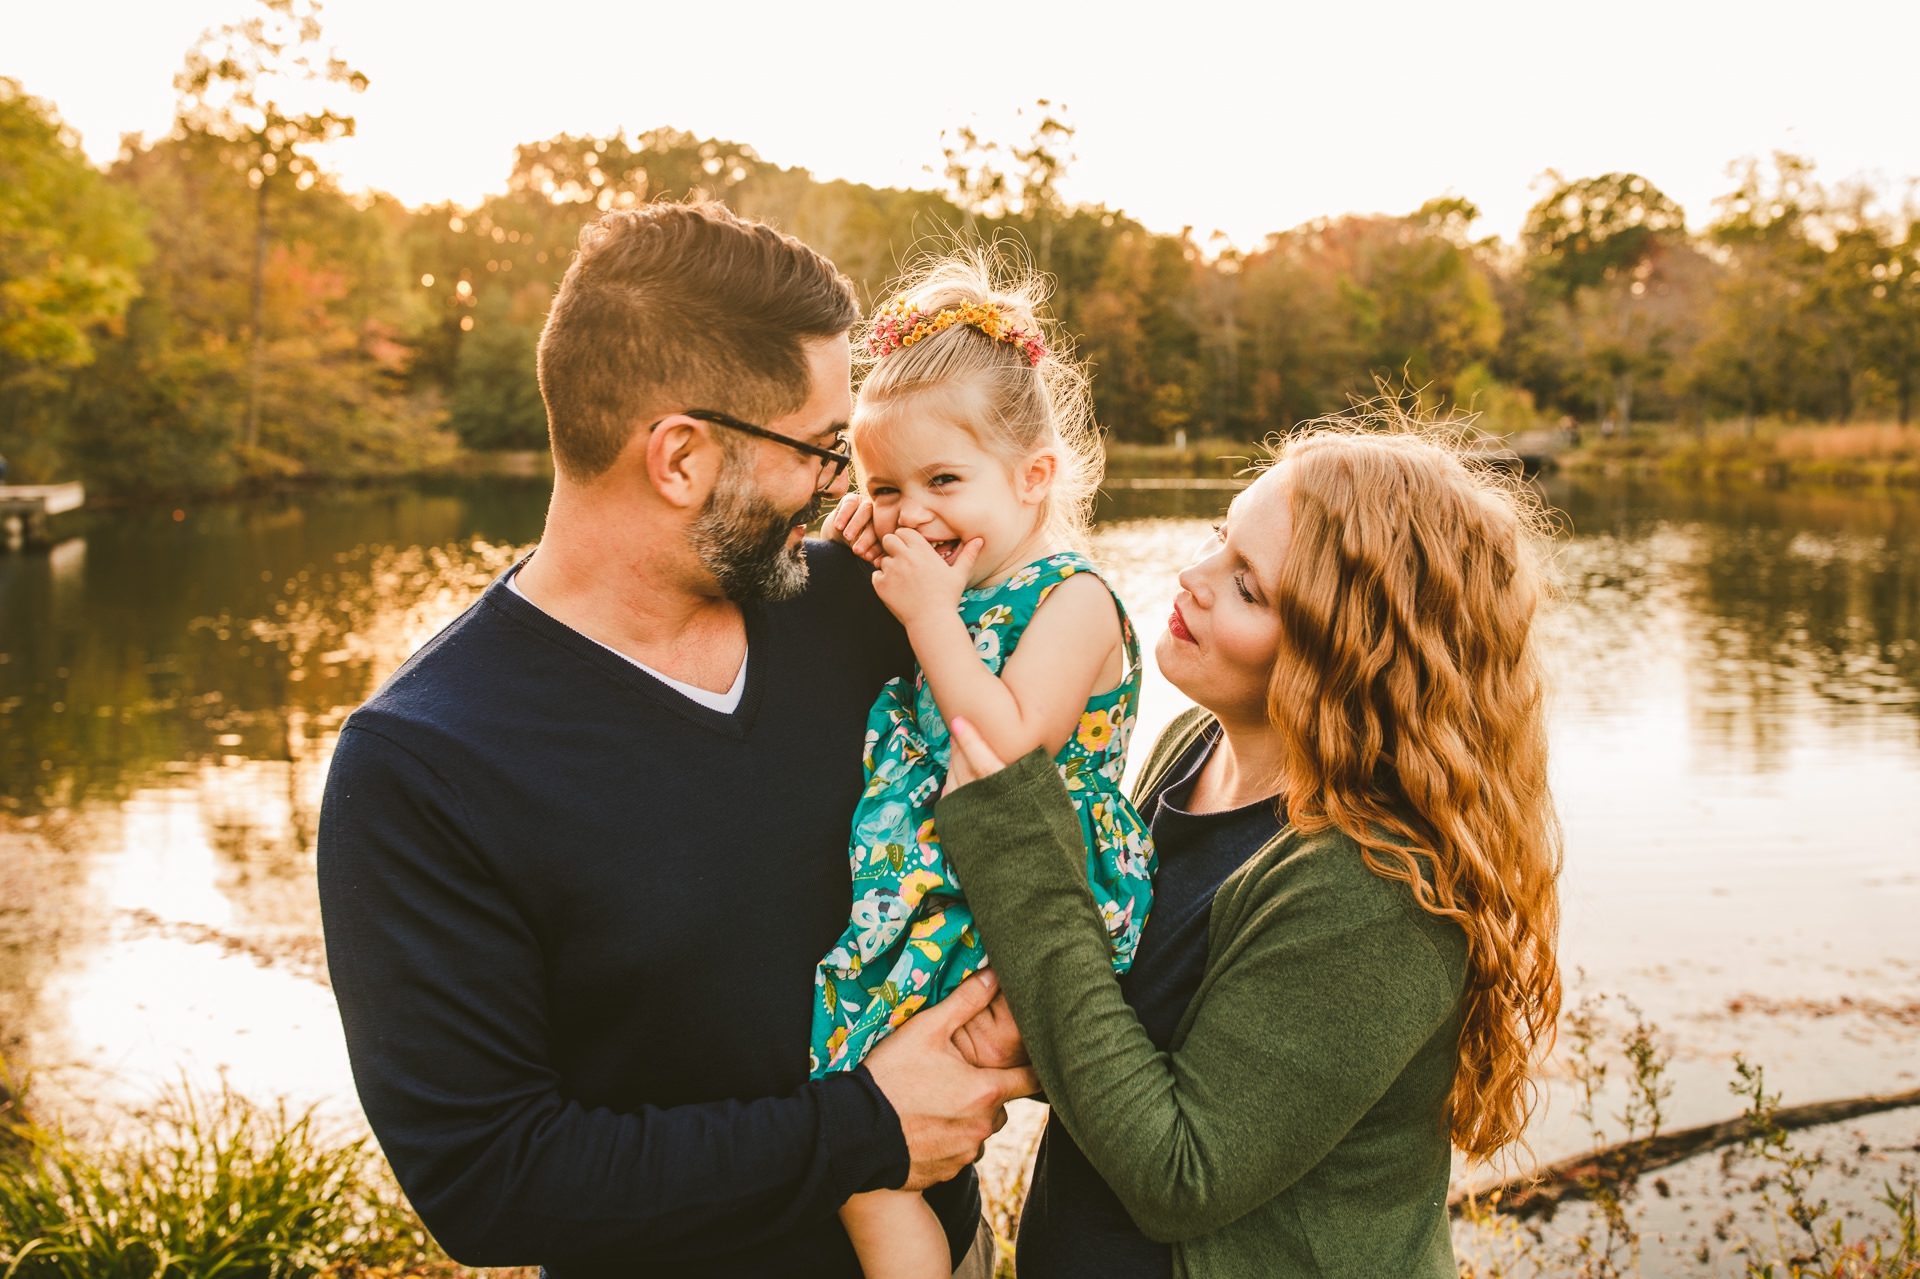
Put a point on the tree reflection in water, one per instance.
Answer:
(171, 690)
(169, 710)
(1788, 607)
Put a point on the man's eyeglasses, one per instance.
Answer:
(831, 463)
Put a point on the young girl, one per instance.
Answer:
(977, 466)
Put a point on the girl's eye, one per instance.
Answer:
(1240, 584)
(941, 481)
(879, 491)
(1220, 532)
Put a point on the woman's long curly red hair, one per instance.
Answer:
(1410, 699)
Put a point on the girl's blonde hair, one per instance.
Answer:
(1015, 408)
(1410, 700)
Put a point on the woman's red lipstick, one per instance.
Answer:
(1177, 626)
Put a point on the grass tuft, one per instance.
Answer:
(207, 1185)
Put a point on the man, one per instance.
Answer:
(579, 856)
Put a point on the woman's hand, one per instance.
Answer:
(972, 757)
(915, 583)
(851, 524)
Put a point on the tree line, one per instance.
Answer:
(213, 309)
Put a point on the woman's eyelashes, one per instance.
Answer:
(1239, 579)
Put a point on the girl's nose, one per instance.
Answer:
(912, 514)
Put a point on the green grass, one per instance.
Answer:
(201, 1186)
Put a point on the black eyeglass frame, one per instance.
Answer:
(841, 461)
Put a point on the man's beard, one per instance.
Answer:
(741, 538)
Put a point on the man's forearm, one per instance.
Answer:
(551, 1181)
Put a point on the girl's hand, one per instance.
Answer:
(992, 1039)
(914, 582)
(851, 524)
(972, 757)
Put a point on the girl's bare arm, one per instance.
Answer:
(1071, 649)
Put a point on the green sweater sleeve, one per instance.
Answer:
(1319, 989)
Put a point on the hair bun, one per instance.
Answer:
(1018, 392)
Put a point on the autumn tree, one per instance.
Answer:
(1297, 349)
(1594, 230)
(1594, 253)
(1014, 184)
(254, 85)
(1138, 336)
(1858, 312)
(264, 323)
(1894, 289)
(271, 335)
(1754, 355)
(496, 391)
(1339, 304)
(70, 250)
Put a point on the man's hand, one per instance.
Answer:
(992, 1040)
(915, 583)
(947, 1107)
(852, 525)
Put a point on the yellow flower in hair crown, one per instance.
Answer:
(899, 325)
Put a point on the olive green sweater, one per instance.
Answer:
(1298, 1126)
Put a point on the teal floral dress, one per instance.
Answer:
(911, 939)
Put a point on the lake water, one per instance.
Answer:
(1736, 755)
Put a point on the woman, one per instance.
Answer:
(1351, 953)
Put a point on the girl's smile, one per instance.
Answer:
(934, 477)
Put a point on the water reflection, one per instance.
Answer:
(1788, 608)
(1737, 741)
(1737, 762)
(125, 657)
(169, 692)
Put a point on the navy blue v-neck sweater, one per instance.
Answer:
(572, 919)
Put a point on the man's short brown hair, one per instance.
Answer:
(681, 306)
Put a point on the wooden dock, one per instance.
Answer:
(24, 509)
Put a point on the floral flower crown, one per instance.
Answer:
(898, 326)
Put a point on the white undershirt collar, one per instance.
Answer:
(726, 703)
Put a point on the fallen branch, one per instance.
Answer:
(1579, 1177)
(1907, 1014)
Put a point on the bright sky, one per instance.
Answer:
(1243, 117)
